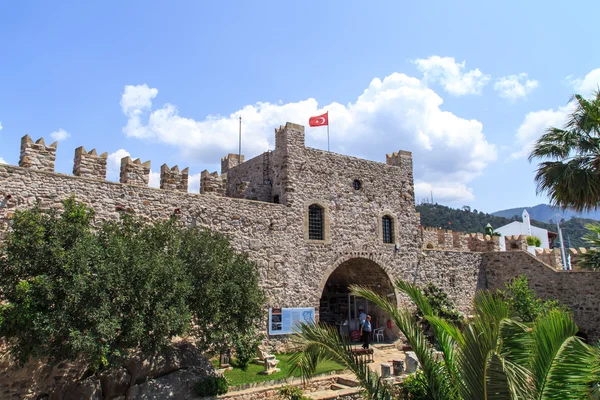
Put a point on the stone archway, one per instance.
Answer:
(340, 309)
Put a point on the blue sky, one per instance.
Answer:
(466, 86)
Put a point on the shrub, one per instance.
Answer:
(211, 386)
(523, 302)
(70, 286)
(414, 386)
(291, 393)
(534, 241)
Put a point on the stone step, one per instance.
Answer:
(332, 394)
(348, 380)
(338, 386)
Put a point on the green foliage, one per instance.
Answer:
(245, 349)
(440, 304)
(414, 387)
(569, 172)
(492, 357)
(69, 287)
(438, 216)
(534, 241)
(524, 304)
(591, 259)
(211, 386)
(291, 393)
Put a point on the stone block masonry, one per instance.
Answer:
(89, 164)
(212, 183)
(135, 172)
(172, 179)
(352, 194)
(578, 290)
(37, 155)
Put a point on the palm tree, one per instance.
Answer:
(571, 174)
(492, 357)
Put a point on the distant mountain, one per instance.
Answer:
(470, 221)
(547, 213)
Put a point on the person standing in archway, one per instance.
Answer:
(365, 332)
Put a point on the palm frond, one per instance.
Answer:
(571, 174)
(320, 342)
(434, 371)
(564, 366)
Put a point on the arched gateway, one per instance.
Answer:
(339, 308)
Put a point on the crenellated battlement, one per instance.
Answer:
(89, 164)
(399, 159)
(515, 243)
(36, 155)
(134, 172)
(173, 179)
(446, 239)
(212, 183)
(229, 161)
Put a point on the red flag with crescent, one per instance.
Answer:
(319, 120)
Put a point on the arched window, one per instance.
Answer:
(387, 229)
(315, 222)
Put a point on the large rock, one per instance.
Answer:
(115, 382)
(181, 355)
(88, 389)
(177, 385)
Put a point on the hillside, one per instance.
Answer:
(546, 213)
(439, 216)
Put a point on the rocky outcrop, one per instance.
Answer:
(171, 374)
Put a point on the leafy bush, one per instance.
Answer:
(291, 393)
(441, 305)
(591, 259)
(534, 241)
(70, 286)
(523, 302)
(211, 386)
(245, 349)
(415, 386)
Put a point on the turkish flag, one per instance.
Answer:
(319, 120)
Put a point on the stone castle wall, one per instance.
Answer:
(576, 289)
(294, 269)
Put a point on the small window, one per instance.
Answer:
(356, 184)
(315, 222)
(276, 199)
(387, 225)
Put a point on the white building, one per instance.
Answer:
(525, 228)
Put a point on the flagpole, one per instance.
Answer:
(327, 130)
(240, 147)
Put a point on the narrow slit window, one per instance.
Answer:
(315, 222)
(387, 225)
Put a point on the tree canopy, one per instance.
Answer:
(71, 286)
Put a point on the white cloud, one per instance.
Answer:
(586, 85)
(60, 134)
(2, 161)
(154, 179)
(444, 190)
(113, 164)
(395, 113)
(451, 75)
(534, 126)
(0, 126)
(514, 87)
(536, 122)
(194, 183)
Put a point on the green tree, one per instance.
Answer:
(71, 286)
(571, 173)
(492, 357)
(523, 303)
(591, 258)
